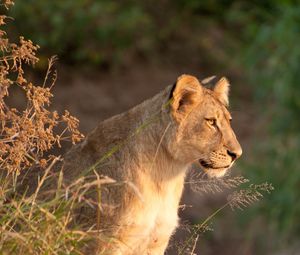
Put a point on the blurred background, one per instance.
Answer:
(115, 54)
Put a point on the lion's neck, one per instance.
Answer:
(150, 143)
(142, 133)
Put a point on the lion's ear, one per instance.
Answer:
(186, 95)
(222, 90)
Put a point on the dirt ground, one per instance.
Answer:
(95, 96)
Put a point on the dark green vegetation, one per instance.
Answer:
(272, 61)
(257, 40)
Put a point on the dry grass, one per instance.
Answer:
(240, 197)
(27, 225)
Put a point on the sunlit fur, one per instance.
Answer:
(139, 213)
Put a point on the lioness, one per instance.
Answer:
(150, 148)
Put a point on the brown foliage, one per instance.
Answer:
(26, 225)
(26, 134)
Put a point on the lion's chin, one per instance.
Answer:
(215, 172)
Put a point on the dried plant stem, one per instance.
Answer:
(238, 199)
(199, 228)
(40, 184)
(194, 246)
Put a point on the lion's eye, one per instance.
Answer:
(212, 122)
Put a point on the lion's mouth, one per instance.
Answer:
(214, 171)
(207, 165)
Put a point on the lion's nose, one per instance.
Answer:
(234, 154)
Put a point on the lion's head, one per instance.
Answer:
(203, 130)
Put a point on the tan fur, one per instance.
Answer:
(139, 214)
(222, 90)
